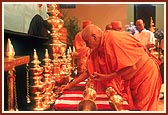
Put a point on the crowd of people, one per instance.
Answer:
(115, 58)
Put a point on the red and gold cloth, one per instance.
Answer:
(70, 99)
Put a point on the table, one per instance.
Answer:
(9, 66)
(70, 99)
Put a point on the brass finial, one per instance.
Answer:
(46, 53)
(10, 53)
(46, 57)
(35, 61)
(35, 56)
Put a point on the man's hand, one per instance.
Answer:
(99, 76)
(65, 87)
(74, 54)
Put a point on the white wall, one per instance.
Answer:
(17, 17)
(160, 16)
(99, 14)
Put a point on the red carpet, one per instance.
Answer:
(70, 99)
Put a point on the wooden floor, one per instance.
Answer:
(161, 105)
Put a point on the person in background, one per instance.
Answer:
(143, 35)
(108, 27)
(82, 52)
(38, 27)
(116, 25)
(116, 54)
(131, 28)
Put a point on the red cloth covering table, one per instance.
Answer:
(70, 99)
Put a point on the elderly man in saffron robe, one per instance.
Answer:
(120, 54)
(83, 53)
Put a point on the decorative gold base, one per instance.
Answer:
(41, 107)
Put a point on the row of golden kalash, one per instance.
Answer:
(56, 72)
(47, 78)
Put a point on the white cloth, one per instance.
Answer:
(145, 36)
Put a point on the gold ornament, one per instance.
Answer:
(10, 53)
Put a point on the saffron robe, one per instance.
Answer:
(117, 51)
(83, 52)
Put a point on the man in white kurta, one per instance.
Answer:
(145, 36)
